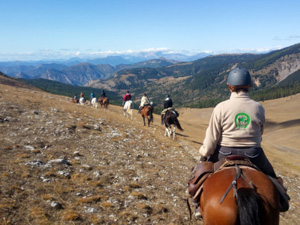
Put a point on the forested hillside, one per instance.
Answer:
(202, 83)
(58, 88)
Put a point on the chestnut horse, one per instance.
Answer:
(239, 196)
(170, 118)
(104, 102)
(147, 112)
(75, 100)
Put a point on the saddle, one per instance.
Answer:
(204, 170)
(171, 110)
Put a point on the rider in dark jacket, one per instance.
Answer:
(168, 102)
(103, 93)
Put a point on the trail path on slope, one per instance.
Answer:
(62, 163)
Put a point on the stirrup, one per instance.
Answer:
(197, 214)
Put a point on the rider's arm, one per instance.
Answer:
(213, 134)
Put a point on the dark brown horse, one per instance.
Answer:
(256, 200)
(170, 118)
(104, 102)
(147, 112)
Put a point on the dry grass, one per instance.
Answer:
(124, 172)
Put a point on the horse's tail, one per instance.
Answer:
(249, 203)
(151, 113)
(176, 122)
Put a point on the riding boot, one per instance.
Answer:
(197, 213)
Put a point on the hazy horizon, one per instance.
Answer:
(40, 30)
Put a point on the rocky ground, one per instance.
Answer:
(62, 163)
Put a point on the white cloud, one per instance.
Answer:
(48, 54)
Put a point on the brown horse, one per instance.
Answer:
(147, 112)
(75, 100)
(104, 102)
(256, 200)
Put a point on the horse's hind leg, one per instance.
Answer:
(168, 131)
(174, 129)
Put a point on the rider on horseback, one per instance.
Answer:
(127, 97)
(144, 101)
(92, 95)
(168, 104)
(103, 94)
(236, 127)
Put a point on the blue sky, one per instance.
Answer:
(49, 29)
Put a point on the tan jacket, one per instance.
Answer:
(144, 101)
(237, 122)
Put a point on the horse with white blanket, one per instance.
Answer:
(128, 109)
(94, 103)
(81, 101)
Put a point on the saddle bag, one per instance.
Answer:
(199, 175)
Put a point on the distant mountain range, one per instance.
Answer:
(79, 74)
(198, 83)
(111, 60)
(194, 83)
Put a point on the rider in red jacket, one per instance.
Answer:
(127, 97)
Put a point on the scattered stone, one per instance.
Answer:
(28, 147)
(56, 205)
(97, 173)
(37, 163)
(91, 210)
(58, 161)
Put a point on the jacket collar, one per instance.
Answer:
(240, 94)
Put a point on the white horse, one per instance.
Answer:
(128, 109)
(94, 103)
(81, 101)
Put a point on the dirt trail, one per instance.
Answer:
(62, 163)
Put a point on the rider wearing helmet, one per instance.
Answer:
(127, 97)
(168, 104)
(144, 101)
(103, 94)
(92, 95)
(236, 127)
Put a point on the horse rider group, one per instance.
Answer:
(167, 105)
(235, 128)
(92, 95)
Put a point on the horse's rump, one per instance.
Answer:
(75, 100)
(170, 118)
(128, 105)
(227, 198)
(147, 112)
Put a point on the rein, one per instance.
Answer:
(233, 185)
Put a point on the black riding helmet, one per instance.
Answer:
(239, 77)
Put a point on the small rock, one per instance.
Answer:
(91, 210)
(56, 205)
